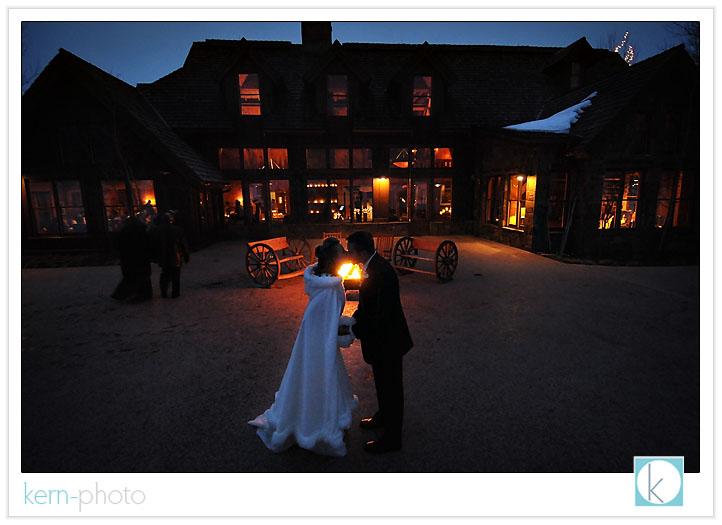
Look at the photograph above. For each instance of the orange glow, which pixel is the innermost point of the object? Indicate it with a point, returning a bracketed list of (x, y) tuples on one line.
[(350, 271), (149, 197)]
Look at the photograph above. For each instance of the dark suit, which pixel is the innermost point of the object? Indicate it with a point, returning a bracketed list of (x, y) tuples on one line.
[(385, 339)]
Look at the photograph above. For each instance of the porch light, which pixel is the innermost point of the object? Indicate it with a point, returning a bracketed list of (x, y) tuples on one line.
[(520, 178)]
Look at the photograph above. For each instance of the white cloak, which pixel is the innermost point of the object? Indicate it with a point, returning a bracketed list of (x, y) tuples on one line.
[(313, 405)]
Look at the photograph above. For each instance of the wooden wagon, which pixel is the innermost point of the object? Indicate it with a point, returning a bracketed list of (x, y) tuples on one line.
[(445, 259), (266, 259)]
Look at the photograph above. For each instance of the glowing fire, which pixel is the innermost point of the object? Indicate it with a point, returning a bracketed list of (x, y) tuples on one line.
[(350, 271)]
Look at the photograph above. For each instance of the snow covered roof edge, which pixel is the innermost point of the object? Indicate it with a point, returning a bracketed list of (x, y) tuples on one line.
[(560, 122)]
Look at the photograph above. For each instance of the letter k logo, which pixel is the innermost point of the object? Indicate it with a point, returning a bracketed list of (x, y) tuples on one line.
[(661, 484)]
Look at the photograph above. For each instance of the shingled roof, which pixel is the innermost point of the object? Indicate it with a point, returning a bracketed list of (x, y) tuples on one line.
[(487, 86), (150, 125), (615, 94)]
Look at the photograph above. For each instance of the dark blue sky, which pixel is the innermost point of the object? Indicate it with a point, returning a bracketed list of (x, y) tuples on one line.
[(145, 51)]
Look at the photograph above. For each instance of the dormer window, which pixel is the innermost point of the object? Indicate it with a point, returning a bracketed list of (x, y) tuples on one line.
[(421, 104), (250, 92), (338, 95)]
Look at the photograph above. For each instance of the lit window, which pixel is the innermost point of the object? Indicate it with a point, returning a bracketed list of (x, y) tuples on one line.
[(143, 199), (362, 158), (339, 158), (362, 200), (280, 205), (398, 158), (253, 159), (338, 95), (675, 195), (420, 193), (494, 199), (443, 158), (421, 157), (516, 205), (422, 96), (63, 216), (233, 201), (250, 94), (257, 193), (441, 206), (316, 159), (229, 158), (619, 201), (278, 158), (399, 196)]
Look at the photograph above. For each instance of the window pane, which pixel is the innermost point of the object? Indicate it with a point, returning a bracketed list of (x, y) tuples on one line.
[(611, 192), (280, 206), (421, 158), (250, 94), (399, 191), (317, 191), (339, 158), (340, 195), (422, 96), (338, 95), (362, 194), (144, 199), (363, 158), (442, 199), (233, 201), (72, 211), (628, 215), (398, 158), (664, 196), (278, 158), (229, 158), (258, 207), (253, 159), (69, 193), (42, 202), (316, 159), (420, 199), (442, 158), (114, 193), (683, 210), (74, 220)]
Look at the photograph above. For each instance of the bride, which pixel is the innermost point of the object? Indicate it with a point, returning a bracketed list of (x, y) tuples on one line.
[(313, 405)]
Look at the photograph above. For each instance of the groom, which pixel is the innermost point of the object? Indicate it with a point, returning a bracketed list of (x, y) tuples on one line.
[(381, 327)]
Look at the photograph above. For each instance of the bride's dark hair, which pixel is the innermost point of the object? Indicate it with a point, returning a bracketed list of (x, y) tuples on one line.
[(327, 255)]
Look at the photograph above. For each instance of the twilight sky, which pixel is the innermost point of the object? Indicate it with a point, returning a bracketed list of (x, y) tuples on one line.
[(145, 51)]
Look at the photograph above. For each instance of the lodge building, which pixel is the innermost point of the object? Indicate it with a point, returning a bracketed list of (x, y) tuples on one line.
[(255, 139)]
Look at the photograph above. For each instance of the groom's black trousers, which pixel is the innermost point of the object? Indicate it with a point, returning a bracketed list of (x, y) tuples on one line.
[(388, 378)]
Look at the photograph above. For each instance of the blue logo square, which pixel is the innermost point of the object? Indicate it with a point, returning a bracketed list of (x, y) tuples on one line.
[(659, 480)]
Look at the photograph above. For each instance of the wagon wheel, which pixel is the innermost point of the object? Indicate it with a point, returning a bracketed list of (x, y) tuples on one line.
[(404, 246), (447, 257), (299, 247), (262, 264)]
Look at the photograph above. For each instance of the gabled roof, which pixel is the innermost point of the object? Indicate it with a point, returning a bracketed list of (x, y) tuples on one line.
[(150, 125), (493, 85), (615, 94), (335, 54)]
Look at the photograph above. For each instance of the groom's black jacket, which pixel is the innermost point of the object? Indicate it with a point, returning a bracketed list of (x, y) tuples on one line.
[(380, 322)]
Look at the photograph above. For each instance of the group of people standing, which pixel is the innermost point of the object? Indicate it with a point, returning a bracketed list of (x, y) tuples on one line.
[(164, 244)]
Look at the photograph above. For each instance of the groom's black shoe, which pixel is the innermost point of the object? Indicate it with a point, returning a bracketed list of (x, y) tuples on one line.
[(371, 422), (382, 445)]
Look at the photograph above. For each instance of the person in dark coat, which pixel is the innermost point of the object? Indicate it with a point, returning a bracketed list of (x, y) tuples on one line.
[(170, 250), (134, 248), (385, 339)]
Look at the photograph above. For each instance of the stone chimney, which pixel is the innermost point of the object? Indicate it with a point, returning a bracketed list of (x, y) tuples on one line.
[(315, 37)]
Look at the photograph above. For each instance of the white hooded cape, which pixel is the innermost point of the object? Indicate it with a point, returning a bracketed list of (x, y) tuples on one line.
[(313, 405)]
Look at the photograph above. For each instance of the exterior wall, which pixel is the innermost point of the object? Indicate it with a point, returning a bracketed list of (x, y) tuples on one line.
[(651, 151), (71, 137)]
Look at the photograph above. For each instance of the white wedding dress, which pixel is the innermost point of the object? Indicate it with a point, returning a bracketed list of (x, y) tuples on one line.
[(313, 405)]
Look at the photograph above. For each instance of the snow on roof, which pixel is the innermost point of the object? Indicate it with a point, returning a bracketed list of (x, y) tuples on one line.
[(559, 122)]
